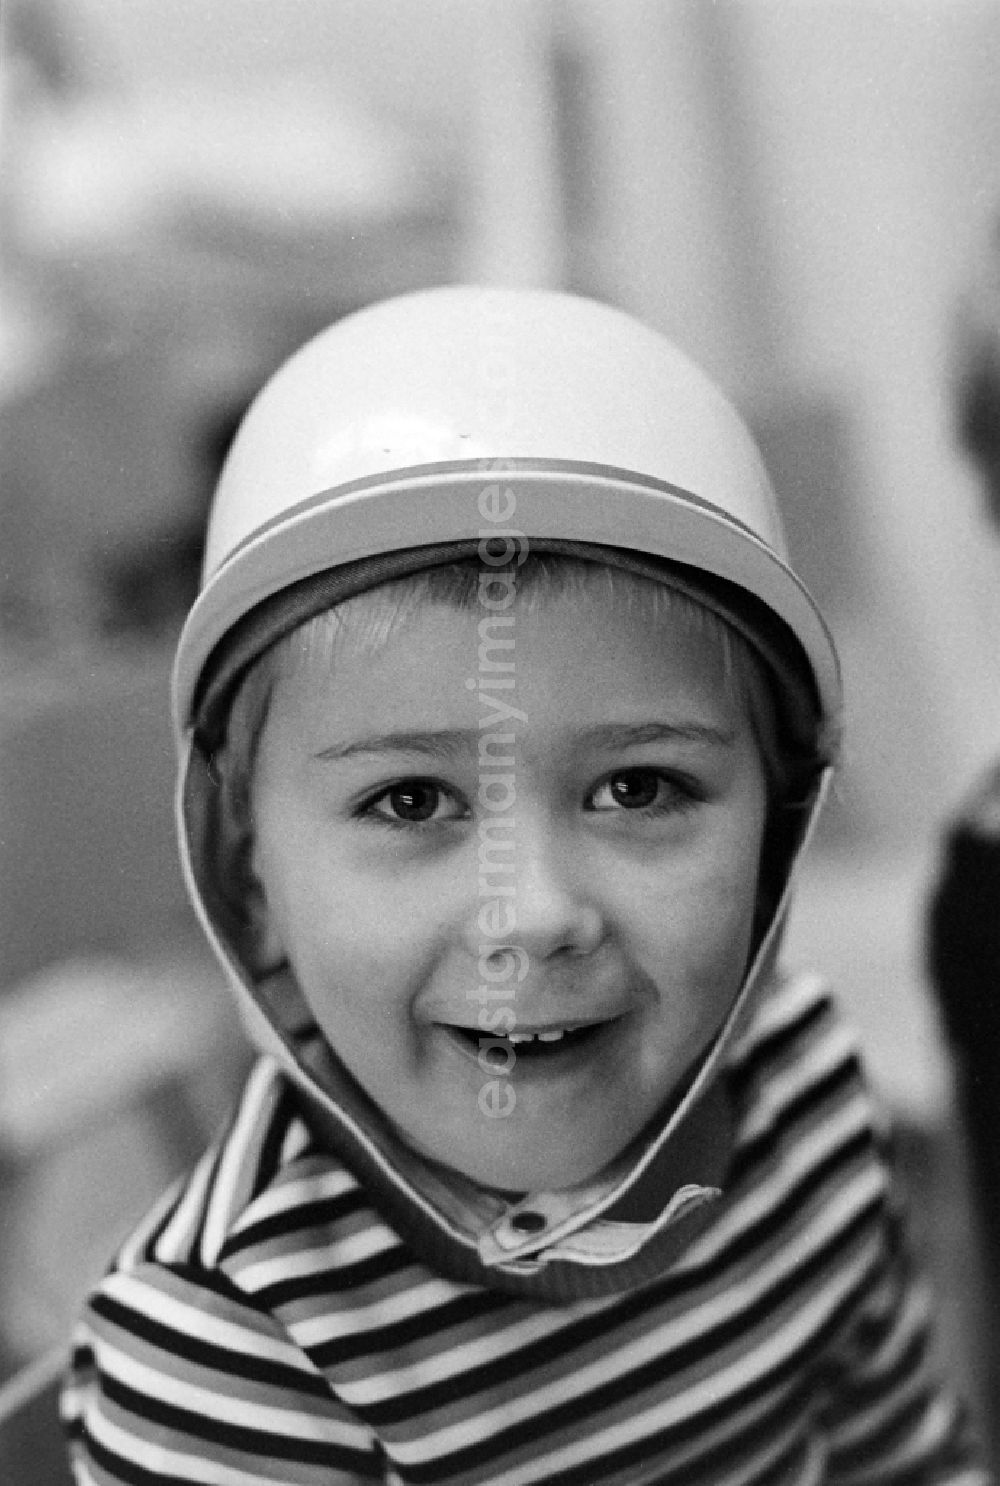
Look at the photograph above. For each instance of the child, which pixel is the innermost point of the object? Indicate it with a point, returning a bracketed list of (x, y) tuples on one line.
[(963, 926), (504, 723)]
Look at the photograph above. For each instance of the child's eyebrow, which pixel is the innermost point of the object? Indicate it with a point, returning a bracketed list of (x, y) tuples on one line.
[(453, 742), (614, 735), (437, 742)]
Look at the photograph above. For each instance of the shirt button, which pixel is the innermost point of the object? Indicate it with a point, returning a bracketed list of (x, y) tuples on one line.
[(528, 1222)]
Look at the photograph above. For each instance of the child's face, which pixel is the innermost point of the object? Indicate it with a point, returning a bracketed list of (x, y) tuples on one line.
[(415, 814)]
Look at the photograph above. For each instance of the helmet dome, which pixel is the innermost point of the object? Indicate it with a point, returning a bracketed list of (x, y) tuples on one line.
[(455, 414)]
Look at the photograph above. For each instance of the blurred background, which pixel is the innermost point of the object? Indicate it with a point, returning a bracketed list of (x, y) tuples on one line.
[(802, 195)]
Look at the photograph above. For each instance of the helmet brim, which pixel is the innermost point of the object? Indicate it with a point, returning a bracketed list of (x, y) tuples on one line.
[(550, 502)]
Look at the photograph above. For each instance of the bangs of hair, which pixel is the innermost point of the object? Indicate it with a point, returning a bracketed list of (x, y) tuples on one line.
[(364, 624)]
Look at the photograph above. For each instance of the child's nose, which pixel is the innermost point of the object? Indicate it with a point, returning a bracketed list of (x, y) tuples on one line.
[(550, 907)]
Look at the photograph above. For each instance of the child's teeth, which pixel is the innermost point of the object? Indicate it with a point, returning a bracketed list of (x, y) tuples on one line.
[(520, 1036), (549, 1036), (516, 1037)]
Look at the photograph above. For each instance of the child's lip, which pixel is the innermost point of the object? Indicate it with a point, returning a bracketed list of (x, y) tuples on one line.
[(567, 1024), (544, 1054)]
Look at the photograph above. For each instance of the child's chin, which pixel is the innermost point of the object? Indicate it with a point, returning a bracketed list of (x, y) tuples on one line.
[(517, 1170)]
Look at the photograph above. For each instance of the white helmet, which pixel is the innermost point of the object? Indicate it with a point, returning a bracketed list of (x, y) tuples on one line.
[(440, 418)]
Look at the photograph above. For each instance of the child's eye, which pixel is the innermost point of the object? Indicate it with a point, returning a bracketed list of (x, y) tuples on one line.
[(641, 789), (415, 802)]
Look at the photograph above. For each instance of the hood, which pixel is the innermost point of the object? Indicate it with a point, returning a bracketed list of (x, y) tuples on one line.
[(403, 435)]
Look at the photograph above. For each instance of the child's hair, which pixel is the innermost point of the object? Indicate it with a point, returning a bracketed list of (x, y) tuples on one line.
[(365, 623)]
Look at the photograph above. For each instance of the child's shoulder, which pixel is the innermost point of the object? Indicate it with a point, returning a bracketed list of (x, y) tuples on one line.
[(260, 1185), (796, 1061), (979, 815), (791, 1010)]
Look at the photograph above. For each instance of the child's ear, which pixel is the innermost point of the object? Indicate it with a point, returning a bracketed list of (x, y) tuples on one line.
[(266, 946), (235, 884)]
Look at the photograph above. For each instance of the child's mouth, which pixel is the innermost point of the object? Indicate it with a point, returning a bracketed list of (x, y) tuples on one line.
[(504, 1048)]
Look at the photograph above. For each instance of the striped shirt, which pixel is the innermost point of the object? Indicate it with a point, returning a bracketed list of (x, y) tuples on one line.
[(267, 1323)]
